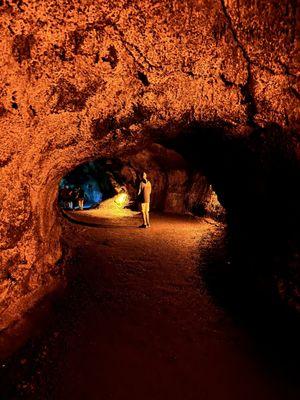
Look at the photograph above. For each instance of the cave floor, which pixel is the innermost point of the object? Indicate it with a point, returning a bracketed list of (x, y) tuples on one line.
[(139, 322)]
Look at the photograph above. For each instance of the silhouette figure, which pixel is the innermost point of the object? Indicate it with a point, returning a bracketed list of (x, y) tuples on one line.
[(80, 197), (144, 193)]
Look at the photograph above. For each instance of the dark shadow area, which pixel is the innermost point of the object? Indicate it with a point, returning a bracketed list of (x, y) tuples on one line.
[(256, 178), (273, 326), (254, 274)]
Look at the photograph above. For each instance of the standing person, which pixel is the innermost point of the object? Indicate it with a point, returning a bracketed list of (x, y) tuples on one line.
[(64, 196), (71, 199), (80, 197), (144, 196)]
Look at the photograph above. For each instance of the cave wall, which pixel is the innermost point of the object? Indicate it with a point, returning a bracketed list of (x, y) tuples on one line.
[(83, 79), (176, 187), (151, 160)]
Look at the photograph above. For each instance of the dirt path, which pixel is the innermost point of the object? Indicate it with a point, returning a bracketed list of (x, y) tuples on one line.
[(139, 324)]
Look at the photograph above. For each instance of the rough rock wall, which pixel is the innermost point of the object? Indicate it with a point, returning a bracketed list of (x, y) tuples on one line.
[(84, 79), (176, 187)]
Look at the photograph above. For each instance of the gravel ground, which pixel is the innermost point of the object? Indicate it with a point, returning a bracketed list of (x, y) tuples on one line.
[(150, 314)]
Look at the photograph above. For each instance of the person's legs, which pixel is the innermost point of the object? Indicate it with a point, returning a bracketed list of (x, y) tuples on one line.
[(144, 215), (147, 209), (144, 218), (80, 203), (147, 219)]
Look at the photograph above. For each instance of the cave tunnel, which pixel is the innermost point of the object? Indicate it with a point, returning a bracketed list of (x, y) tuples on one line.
[(179, 187), (218, 227), (206, 171), (202, 96), (207, 184)]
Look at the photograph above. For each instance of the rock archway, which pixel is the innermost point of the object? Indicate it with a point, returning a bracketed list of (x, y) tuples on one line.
[(83, 80)]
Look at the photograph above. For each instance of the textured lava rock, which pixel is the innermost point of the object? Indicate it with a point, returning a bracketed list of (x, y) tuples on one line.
[(85, 79), (176, 187)]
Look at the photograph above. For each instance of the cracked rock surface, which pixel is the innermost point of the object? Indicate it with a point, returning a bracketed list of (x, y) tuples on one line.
[(86, 79)]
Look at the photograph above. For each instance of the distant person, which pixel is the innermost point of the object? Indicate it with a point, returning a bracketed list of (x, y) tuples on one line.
[(144, 198), (71, 198), (64, 196), (80, 197)]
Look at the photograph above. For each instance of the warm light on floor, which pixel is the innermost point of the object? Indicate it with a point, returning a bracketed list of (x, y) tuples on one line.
[(121, 199), (115, 207)]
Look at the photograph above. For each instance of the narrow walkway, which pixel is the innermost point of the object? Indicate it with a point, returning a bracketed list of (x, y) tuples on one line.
[(139, 324)]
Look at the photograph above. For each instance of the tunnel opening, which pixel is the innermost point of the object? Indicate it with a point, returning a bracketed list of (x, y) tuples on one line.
[(244, 179), (92, 179), (110, 185)]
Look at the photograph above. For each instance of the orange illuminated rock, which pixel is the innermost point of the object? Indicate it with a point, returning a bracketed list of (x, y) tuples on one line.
[(86, 79)]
